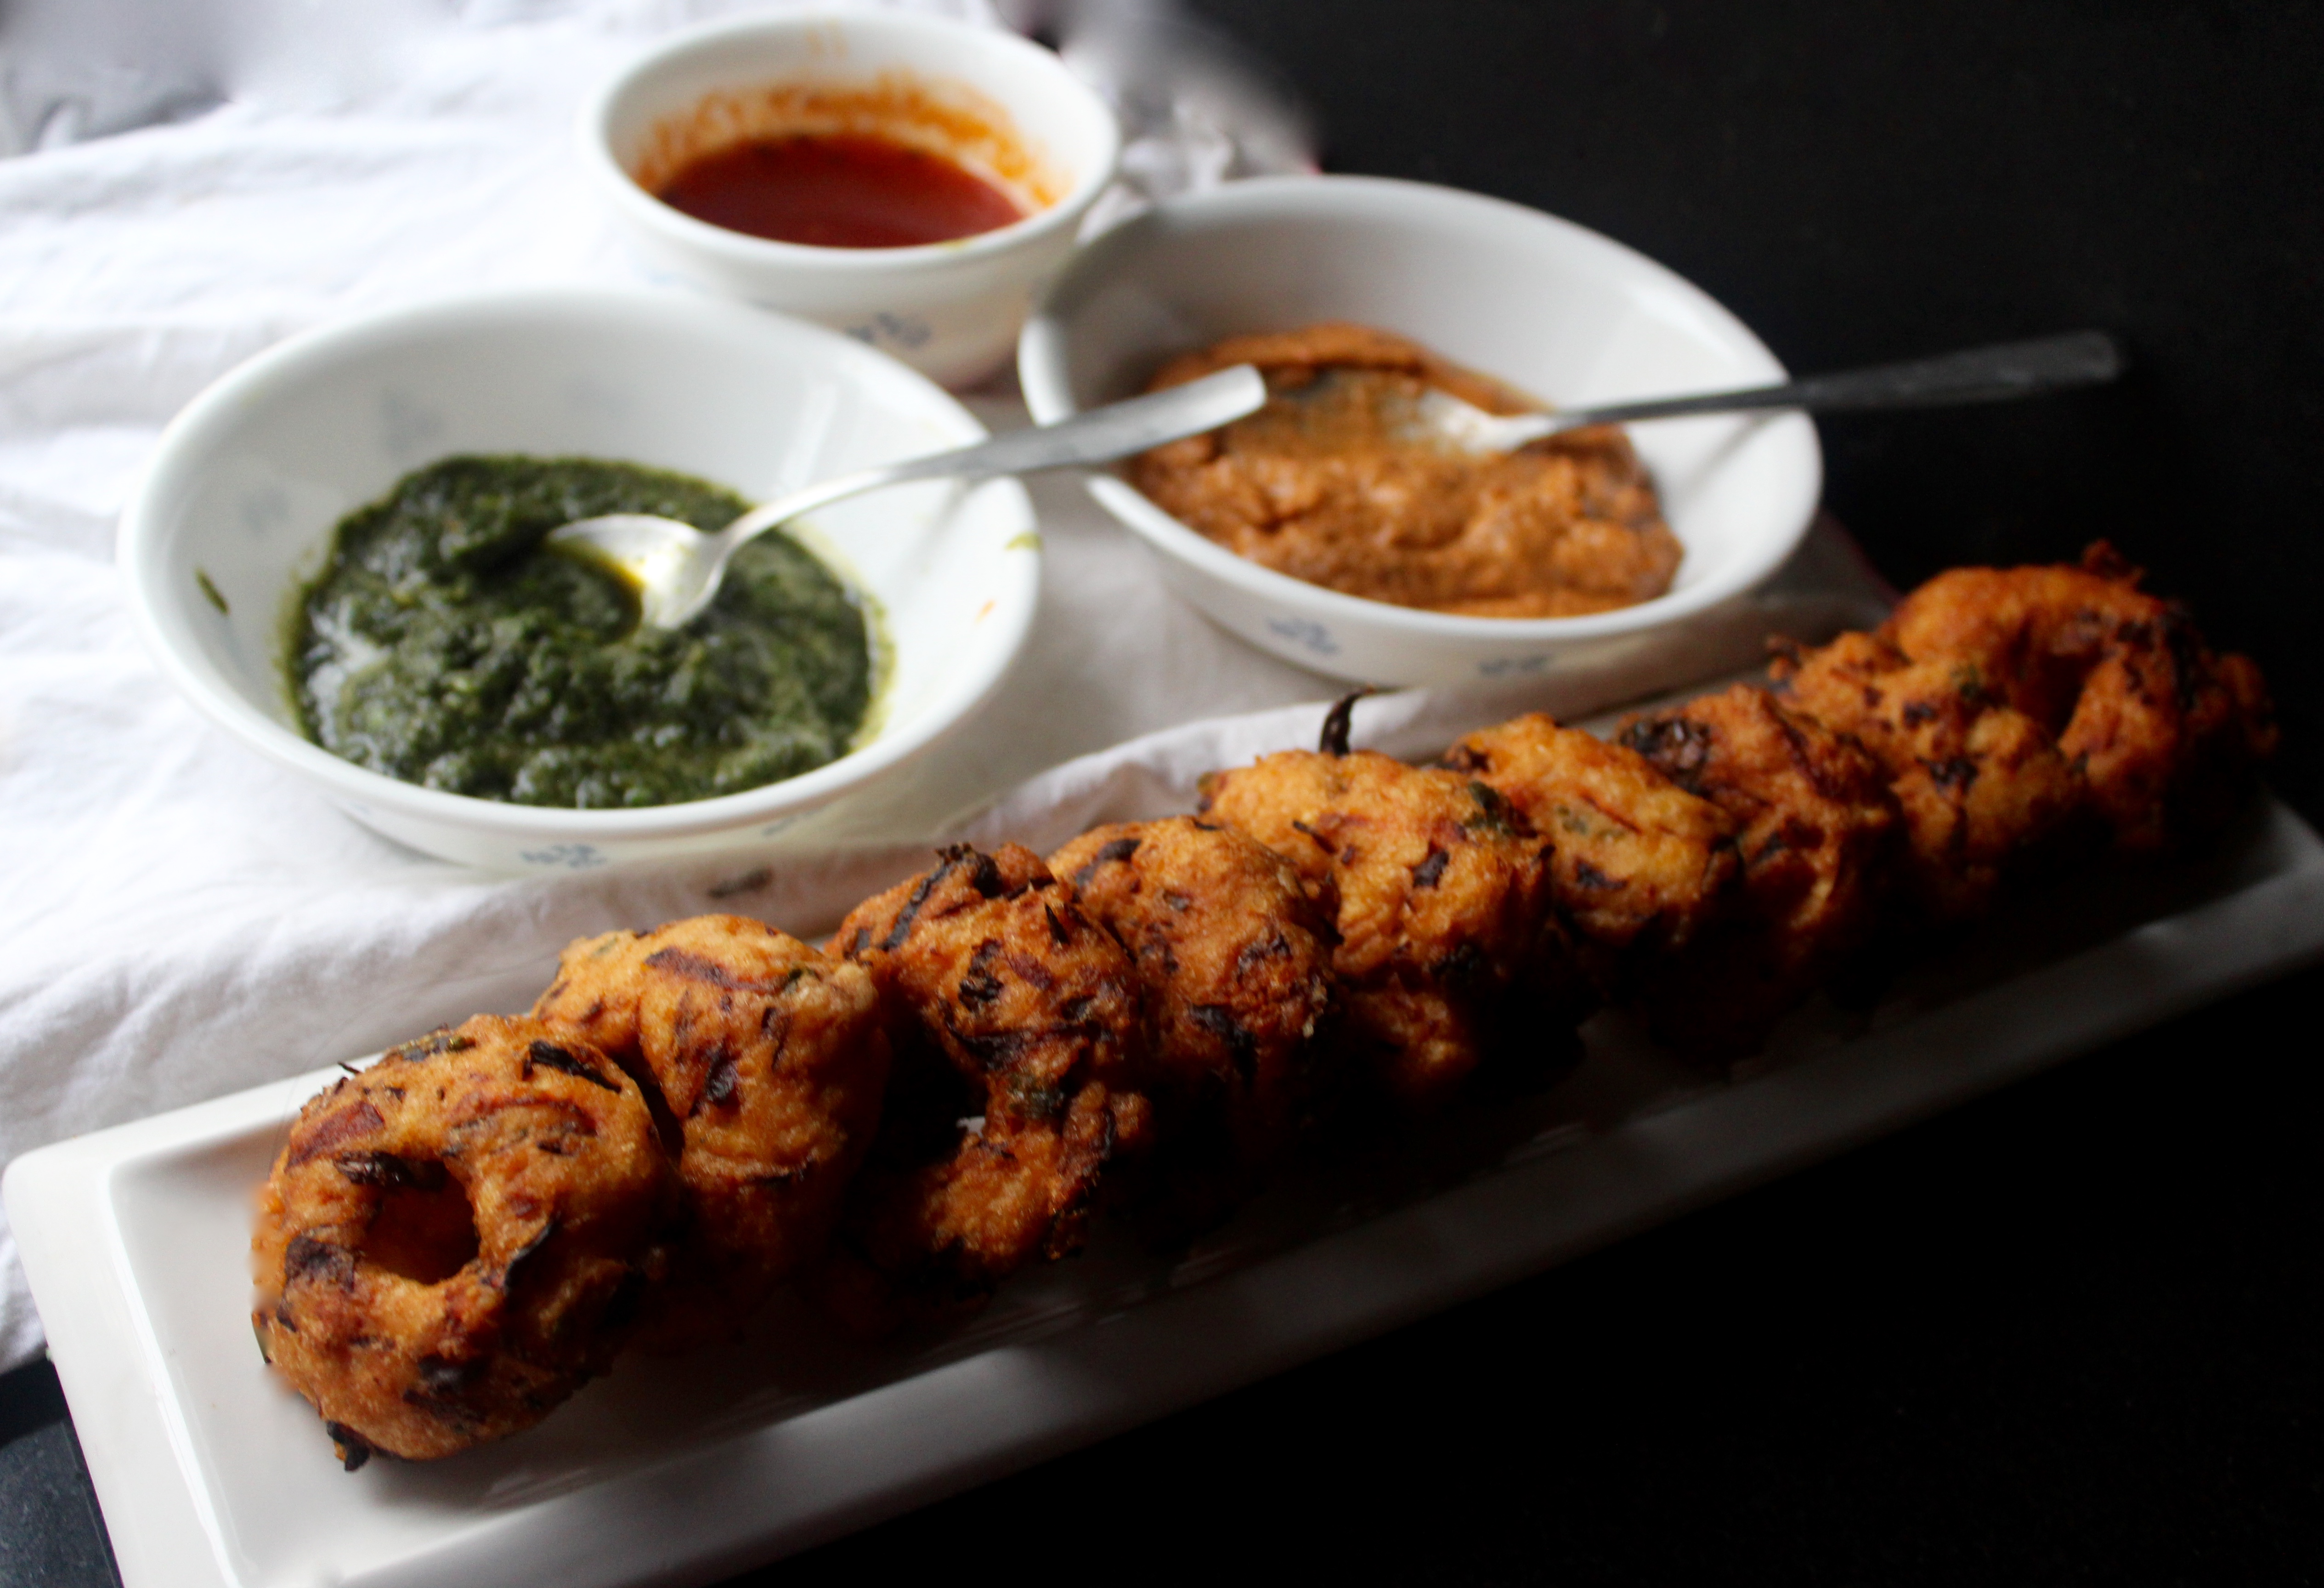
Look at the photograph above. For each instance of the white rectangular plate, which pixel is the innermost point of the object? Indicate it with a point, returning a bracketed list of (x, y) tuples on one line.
[(681, 1471)]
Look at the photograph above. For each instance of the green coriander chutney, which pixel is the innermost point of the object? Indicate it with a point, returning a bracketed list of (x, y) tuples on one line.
[(444, 645)]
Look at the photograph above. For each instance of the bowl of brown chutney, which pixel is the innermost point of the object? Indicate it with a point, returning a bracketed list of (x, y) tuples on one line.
[(1374, 568)]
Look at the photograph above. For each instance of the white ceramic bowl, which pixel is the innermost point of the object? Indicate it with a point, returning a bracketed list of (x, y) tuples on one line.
[(248, 482), (1555, 309), (950, 310)]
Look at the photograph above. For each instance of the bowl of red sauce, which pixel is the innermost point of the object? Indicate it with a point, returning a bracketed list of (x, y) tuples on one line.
[(908, 179)]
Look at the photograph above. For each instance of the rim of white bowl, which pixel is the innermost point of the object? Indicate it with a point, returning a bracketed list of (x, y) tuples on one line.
[(1043, 360), (158, 607), (741, 247)]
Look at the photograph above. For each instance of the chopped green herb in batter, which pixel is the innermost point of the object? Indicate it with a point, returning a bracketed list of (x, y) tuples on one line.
[(444, 646)]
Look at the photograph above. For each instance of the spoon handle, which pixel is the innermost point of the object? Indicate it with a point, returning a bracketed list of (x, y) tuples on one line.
[(1104, 434), (1981, 375), (1100, 436)]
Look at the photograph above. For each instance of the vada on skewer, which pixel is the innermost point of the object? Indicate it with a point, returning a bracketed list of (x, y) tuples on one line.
[(1018, 1017), (2164, 732), (455, 1240), (1233, 951), (1814, 821), (1638, 866), (1449, 953), (764, 1062), (1983, 790)]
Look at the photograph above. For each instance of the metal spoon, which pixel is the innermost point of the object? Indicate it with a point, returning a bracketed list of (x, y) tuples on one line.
[(676, 568), (1981, 375)]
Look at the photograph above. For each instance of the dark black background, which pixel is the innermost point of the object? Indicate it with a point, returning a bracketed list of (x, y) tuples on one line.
[(2071, 1333)]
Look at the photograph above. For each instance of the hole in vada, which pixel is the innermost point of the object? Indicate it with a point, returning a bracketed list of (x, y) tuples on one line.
[(424, 1230), (928, 1107)]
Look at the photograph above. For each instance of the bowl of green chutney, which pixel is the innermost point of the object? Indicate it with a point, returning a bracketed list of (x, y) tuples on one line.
[(335, 553)]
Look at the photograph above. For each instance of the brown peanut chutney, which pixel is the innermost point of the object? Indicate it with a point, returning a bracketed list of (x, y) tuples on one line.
[(1323, 485)]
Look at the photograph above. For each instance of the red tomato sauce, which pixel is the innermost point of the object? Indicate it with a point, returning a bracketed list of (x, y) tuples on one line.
[(838, 190)]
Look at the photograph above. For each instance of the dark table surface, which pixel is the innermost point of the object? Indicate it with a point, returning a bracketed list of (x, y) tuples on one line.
[(2070, 1332)]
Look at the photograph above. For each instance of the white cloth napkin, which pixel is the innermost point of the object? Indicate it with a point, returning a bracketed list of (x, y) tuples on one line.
[(181, 919)]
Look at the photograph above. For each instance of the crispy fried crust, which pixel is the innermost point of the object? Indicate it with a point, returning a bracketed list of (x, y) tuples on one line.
[(1813, 822), (765, 1062), (1982, 788), (1233, 950), (1446, 934), (992, 978), (2164, 733), (1639, 866), (454, 1240)]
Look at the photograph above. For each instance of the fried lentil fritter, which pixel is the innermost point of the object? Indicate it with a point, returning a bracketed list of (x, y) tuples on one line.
[(1004, 998), (1233, 951), (2164, 732), (1814, 821), (1982, 788), (765, 1062), (1449, 949), (1639, 866), (454, 1240)]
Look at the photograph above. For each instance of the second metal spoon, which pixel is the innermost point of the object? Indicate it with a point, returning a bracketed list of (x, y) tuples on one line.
[(1981, 375)]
